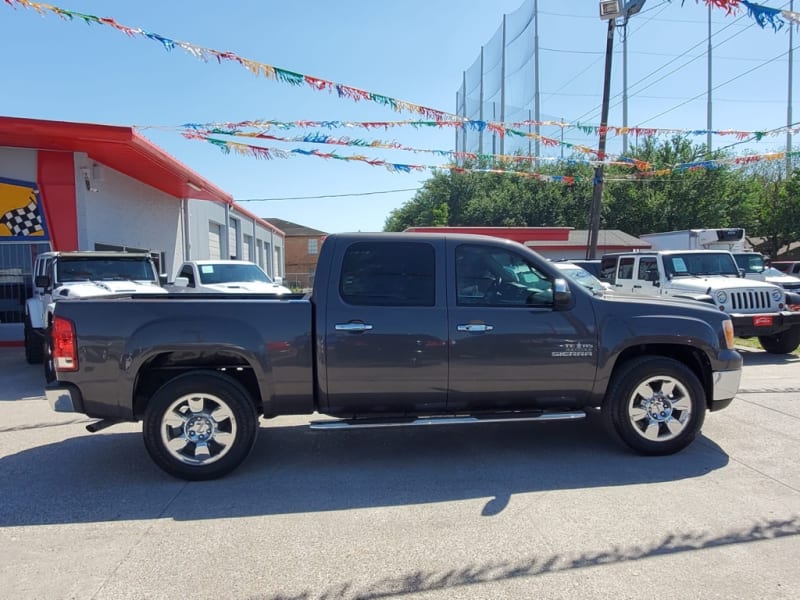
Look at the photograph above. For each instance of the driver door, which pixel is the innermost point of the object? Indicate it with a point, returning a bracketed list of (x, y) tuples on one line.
[(510, 348)]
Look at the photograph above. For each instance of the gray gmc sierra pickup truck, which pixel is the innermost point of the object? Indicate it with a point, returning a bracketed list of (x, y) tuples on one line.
[(400, 329)]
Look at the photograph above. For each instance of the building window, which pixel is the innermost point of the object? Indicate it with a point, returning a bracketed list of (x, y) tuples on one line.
[(313, 245), (260, 253), (247, 247), (233, 239)]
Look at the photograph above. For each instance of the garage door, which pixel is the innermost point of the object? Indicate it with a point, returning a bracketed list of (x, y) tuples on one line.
[(214, 238)]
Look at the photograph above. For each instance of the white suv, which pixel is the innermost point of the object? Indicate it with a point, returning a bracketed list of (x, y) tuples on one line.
[(59, 275), (757, 308)]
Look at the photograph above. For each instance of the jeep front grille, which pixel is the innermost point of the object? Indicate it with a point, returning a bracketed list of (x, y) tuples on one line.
[(750, 300)]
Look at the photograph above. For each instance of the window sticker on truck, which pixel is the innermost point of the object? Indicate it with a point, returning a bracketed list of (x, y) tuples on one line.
[(577, 350), (679, 265)]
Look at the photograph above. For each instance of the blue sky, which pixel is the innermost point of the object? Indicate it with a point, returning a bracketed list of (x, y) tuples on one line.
[(414, 50)]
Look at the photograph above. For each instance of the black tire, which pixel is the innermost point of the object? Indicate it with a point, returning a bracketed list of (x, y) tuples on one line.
[(47, 356), (33, 343), (636, 413), (200, 406), (785, 342)]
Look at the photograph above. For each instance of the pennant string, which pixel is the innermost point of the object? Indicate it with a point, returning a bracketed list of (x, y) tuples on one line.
[(257, 68)]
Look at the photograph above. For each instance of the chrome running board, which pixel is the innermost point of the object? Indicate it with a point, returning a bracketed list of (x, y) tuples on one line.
[(362, 423)]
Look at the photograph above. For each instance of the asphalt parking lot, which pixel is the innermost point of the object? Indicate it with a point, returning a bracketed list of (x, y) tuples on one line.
[(484, 511)]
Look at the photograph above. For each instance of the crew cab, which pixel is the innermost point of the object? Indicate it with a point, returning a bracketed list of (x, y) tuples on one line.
[(757, 308), (229, 276), (399, 330)]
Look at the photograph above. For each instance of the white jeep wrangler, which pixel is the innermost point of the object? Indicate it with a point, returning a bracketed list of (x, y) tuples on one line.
[(59, 275), (757, 308)]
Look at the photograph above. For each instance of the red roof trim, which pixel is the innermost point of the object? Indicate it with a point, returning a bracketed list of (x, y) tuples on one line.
[(124, 150)]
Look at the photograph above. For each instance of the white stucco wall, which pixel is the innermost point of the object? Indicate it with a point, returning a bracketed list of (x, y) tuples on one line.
[(125, 212), (203, 211)]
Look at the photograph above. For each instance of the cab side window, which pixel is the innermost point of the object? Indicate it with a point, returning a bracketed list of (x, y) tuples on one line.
[(388, 274), (488, 276), (648, 267), (625, 270)]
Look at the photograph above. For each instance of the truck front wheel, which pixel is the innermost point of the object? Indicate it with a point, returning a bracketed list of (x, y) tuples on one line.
[(785, 342), (200, 425), (655, 405)]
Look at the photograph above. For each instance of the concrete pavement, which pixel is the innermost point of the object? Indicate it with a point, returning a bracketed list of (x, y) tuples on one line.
[(490, 511)]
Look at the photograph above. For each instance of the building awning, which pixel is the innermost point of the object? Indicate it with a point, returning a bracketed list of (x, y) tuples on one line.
[(120, 148)]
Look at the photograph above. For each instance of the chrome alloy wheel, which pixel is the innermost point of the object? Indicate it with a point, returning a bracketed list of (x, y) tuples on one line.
[(660, 408), (198, 429)]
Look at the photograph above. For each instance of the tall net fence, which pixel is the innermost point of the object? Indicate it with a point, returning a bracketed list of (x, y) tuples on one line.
[(499, 86)]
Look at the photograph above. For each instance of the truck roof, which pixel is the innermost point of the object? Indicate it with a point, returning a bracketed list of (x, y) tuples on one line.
[(654, 252), (405, 235), (95, 254)]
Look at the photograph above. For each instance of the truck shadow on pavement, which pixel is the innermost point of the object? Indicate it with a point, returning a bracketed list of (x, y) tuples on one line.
[(292, 469)]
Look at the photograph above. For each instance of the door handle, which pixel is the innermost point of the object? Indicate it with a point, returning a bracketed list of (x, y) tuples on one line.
[(473, 327), (352, 327), (637, 287)]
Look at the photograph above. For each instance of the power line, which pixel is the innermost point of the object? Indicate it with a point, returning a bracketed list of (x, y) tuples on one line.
[(324, 196), (665, 65), (700, 95)]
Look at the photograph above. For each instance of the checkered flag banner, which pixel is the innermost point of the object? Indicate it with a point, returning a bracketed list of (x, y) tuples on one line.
[(23, 221)]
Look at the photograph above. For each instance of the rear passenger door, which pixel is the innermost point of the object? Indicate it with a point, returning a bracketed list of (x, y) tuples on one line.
[(385, 331), (623, 277)]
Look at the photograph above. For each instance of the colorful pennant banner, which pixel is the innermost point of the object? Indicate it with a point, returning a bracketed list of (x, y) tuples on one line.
[(255, 67), (266, 153), (322, 138), (492, 127), (763, 15)]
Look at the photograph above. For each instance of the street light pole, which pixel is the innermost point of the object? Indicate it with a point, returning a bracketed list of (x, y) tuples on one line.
[(597, 194)]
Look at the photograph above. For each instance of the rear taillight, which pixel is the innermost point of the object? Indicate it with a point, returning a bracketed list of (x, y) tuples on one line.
[(65, 349)]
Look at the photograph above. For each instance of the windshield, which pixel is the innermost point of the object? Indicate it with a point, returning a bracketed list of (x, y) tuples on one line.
[(582, 276), (97, 269), (773, 272), (700, 263), (223, 273), (751, 262)]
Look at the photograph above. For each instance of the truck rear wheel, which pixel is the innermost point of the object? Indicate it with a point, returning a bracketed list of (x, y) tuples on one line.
[(655, 405), (785, 342), (200, 425), (33, 343)]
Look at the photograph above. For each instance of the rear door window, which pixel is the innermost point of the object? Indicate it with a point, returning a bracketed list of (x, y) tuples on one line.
[(388, 274)]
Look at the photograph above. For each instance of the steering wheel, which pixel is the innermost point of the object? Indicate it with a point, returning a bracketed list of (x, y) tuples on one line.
[(493, 291)]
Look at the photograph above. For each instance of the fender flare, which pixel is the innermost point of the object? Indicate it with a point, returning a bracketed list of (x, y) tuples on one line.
[(35, 311)]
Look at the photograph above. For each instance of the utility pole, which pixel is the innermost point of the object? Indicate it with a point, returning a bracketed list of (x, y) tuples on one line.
[(789, 99), (708, 102), (625, 87), (597, 194)]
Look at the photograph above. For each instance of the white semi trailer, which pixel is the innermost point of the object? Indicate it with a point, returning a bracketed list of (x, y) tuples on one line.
[(731, 240)]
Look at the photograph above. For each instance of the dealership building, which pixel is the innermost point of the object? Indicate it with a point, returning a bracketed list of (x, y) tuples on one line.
[(81, 186)]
